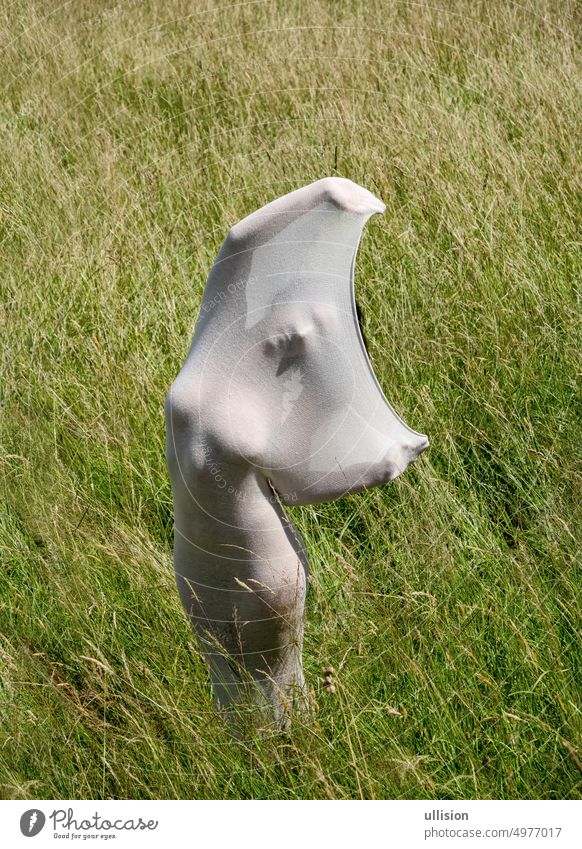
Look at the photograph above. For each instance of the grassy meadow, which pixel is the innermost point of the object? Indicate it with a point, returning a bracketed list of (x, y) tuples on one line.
[(132, 136)]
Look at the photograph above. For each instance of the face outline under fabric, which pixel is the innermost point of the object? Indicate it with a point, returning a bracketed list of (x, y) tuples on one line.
[(277, 404)]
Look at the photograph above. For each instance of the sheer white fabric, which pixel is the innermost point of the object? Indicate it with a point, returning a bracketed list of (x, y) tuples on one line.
[(276, 402)]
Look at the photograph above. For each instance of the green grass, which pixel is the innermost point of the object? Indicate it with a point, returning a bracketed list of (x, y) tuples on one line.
[(133, 136)]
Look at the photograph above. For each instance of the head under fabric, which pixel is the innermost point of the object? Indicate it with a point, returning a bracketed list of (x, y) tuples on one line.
[(278, 367)]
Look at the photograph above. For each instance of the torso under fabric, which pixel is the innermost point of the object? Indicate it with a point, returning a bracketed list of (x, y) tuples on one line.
[(276, 404)]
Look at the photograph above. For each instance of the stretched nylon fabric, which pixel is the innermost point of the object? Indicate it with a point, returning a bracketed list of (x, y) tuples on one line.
[(278, 330), (276, 402)]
